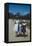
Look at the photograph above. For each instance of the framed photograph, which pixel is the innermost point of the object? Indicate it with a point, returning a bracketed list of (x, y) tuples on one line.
[(17, 22)]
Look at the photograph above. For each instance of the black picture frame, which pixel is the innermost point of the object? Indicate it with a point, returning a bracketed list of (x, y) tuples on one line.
[(6, 17)]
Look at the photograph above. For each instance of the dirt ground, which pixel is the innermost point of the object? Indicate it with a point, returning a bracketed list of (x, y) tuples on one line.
[(12, 34)]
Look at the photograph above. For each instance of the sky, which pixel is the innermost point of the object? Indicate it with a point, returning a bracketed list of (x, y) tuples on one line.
[(31, 8), (23, 9), (31, 11)]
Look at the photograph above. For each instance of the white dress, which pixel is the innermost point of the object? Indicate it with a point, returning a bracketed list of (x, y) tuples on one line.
[(16, 27)]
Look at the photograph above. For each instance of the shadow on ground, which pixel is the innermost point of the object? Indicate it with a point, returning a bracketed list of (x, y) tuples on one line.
[(21, 35)]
